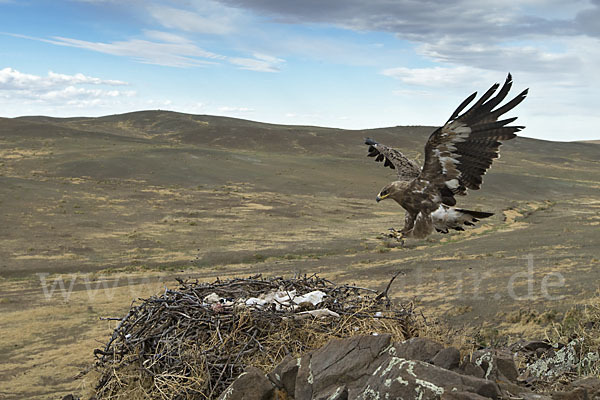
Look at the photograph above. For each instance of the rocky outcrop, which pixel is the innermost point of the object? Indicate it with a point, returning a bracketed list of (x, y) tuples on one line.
[(373, 368)]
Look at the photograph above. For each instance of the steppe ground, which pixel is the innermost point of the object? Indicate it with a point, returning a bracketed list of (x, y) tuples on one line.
[(98, 212)]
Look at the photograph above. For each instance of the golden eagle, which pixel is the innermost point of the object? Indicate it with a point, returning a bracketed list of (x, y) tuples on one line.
[(457, 155)]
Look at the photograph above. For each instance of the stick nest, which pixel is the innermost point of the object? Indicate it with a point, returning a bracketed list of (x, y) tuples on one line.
[(192, 342)]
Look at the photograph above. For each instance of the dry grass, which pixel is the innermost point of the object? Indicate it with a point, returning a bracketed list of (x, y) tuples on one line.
[(581, 322)]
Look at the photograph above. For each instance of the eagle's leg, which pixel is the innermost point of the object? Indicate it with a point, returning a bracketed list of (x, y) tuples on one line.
[(409, 224), (398, 235)]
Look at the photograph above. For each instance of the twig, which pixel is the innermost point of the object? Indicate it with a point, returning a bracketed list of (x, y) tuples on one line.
[(385, 292)]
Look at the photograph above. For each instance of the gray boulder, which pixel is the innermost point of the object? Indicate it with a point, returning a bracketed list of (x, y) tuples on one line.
[(373, 368)]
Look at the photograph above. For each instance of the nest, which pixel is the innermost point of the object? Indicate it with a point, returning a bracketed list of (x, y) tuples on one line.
[(192, 342)]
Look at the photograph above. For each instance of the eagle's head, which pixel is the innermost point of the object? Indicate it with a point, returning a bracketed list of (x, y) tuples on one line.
[(393, 190)]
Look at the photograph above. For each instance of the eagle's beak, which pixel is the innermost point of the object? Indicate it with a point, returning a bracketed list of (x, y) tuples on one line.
[(380, 197)]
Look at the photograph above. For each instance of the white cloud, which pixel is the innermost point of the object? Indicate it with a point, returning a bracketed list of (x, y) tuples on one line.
[(167, 49), (235, 109), (260, 62), (57, 89), (11, 79), (165, 36), (174, 54), (72, 94), (216, 22), (532, 55), (438, 76)]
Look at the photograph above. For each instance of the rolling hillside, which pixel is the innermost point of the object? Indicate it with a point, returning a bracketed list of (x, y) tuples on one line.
[(95, 192), (115, 208)]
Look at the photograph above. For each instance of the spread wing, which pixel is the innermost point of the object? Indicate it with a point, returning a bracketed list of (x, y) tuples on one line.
[(458, 154), (407, 169)]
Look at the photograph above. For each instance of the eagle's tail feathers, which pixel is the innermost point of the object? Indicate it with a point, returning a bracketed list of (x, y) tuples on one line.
[(476, 214), (445, 218)]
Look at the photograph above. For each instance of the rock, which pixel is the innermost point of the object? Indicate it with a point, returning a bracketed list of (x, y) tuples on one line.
[(304, 379), (496, 365), (401, 378), (462, 396), (516, 391), (418, 349), (284, 374), (533, 396), (472, 369), (591, 383), (584, 388), (577, 394), (337, 393), (252, 384), (541, 352), (370, 367), (339, 362), (535, 345), (562, 361), (505, 365), (448, 358)]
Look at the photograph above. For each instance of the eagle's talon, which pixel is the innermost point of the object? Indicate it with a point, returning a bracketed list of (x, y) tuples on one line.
[(398, 235)]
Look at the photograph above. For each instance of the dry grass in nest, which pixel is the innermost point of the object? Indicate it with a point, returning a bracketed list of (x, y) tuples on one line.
[(177, 346)]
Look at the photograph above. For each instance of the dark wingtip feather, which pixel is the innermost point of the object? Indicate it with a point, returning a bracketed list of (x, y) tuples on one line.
[(462, 105)]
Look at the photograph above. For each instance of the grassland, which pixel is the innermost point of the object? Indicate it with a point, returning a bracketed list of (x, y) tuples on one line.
[(115, 208)]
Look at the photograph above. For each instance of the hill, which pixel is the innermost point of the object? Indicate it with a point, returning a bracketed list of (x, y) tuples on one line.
[(117, 199), (125, 181)]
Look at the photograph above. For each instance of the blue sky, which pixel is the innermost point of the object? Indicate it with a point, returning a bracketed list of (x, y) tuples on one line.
[(339, 63)]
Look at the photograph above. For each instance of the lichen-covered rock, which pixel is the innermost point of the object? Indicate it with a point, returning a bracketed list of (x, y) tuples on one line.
[(338, 363), (397, 377), (555, 365), (373, 368), (370, 367), (496, 365)]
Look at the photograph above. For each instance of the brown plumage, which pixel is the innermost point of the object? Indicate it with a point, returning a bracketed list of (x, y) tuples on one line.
[(457, 155)]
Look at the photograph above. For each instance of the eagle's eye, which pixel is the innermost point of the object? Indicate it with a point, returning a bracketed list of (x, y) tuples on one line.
[(383, 193)]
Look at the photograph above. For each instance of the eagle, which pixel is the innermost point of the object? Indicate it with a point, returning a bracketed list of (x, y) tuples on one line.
[(457, 155)]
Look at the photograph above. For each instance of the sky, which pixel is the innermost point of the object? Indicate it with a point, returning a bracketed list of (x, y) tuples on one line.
[(350, 64)]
